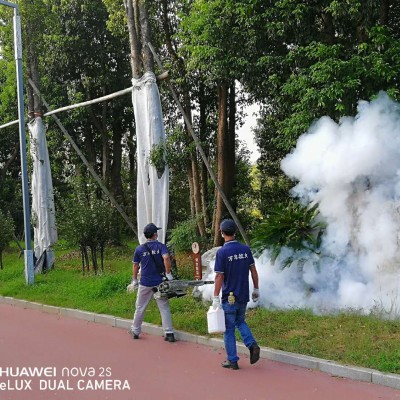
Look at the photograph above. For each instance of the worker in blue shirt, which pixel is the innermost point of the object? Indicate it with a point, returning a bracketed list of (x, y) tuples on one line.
[(233, 264), (152, 258)]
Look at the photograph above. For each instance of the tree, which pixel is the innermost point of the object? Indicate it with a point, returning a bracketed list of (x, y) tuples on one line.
[(80, 54), (10, 165), (6, 233), (312, 59), (89, 222), (207, 31)]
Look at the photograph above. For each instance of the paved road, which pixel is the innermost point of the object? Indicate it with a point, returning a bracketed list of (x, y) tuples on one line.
[(73, 356)]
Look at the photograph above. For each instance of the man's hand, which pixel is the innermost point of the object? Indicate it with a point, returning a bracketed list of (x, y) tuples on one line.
[(134, 285), (169, 276), (255, 296), (216, 302)]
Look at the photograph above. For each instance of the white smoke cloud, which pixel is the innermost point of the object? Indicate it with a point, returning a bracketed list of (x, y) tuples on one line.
[(352, 170)]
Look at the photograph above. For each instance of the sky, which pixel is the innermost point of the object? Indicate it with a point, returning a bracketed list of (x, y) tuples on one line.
[(245, 133)]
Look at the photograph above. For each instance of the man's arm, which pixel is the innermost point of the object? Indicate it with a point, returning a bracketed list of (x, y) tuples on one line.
[(167, 263), (219, 280), (135, 270), (254, 275), (255, 296)]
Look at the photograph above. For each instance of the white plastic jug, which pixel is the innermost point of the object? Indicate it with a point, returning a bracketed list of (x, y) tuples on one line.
[(216, 320)]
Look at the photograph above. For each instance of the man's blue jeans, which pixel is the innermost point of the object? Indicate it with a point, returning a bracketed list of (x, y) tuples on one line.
[(235, 315)]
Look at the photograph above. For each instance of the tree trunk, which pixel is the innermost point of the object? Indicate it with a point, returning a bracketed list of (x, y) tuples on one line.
[(136, 62), (229, 158), (328, 28), (194, 173), (148, 61), (222, 133), (90, 148), (34, 102), (83, 259), (102, 257), (203, 168), (105, 144), (94, 258), (225, 153), (189, 172), (132, 172), (1, 259), (197, 197), (86, 255), (116, 181), (384, 12), (105, 159)]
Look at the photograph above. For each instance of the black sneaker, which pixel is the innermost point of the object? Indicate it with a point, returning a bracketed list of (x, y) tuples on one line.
[(254, 353), (134, 336), (169, 337), (230, 365)]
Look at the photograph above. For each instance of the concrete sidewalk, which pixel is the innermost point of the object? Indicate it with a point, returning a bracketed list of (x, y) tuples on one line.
[(82, 355)]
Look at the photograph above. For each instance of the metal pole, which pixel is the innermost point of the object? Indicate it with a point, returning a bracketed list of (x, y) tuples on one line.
[(28, 253)]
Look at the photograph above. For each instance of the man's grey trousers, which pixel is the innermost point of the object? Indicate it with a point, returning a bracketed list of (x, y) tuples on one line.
[(144, 296)]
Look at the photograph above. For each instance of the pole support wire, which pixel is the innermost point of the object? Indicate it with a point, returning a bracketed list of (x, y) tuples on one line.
[(122, 92), (77, 105)]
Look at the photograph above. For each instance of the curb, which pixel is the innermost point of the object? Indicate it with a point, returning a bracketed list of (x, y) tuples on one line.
[(329, 367)]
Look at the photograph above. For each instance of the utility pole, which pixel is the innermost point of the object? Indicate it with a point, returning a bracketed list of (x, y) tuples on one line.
[(28, 253)]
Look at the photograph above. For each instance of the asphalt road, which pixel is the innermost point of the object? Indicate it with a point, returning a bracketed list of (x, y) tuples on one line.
[(80, 360)]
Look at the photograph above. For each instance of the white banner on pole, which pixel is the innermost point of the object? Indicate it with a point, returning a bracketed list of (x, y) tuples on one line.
[(43, 210), (152, 182)]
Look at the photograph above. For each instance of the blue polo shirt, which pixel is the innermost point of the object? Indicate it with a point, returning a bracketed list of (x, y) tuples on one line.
[(234, 259), (149, 272)]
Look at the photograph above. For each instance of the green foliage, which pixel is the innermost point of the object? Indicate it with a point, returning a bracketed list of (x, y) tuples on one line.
[(313, 59), (6, 233), (292, 226), (86, 223), (184, 234), (89, 221), (213, 33), (116, 22), (6, 230), (10, 177), (157, 157)]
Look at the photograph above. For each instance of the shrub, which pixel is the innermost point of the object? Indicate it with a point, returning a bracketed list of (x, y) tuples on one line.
[(293, 226), (184, 234)]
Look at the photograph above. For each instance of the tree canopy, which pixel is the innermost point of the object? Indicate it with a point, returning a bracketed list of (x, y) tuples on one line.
[(298, 59)]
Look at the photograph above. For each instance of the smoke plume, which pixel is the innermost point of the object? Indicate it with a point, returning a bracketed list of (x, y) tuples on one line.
[(351, 169)]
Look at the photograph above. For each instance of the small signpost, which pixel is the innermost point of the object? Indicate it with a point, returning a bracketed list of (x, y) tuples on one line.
[(198, 272)]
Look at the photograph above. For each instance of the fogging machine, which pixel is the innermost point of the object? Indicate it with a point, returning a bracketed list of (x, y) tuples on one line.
[(176, 288)]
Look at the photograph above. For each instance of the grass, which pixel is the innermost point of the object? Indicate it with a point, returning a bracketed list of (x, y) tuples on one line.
[(347, 338)]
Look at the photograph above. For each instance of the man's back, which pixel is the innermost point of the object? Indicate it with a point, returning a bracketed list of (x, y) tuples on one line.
[(234, 259), (152, 265)]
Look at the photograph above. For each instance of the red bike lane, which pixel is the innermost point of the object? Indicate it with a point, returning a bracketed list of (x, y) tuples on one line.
[(80, 360)]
